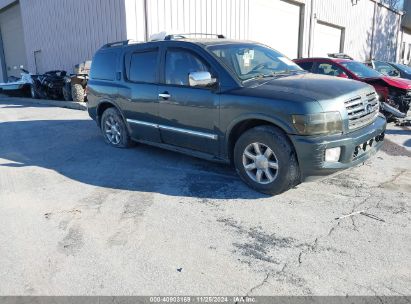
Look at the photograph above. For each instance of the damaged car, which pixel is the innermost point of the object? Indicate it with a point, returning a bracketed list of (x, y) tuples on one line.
[(48, 85), (394, 93), (17, 86)]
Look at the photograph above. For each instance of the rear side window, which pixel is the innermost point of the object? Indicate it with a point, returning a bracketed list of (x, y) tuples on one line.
[(308, 66), (143, 66), (103, 66)]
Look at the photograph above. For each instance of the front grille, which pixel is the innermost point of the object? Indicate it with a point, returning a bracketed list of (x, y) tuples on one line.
[(362, 110)]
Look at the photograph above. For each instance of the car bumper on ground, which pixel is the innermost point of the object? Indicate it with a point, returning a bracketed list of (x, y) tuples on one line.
[(356, 147)]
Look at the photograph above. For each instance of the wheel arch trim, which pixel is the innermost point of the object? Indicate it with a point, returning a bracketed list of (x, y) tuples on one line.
[(281, 124), (113, 104)]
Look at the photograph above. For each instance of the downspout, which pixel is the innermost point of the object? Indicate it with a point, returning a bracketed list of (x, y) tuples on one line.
[(145, 20), (3, 61), (373, 29), (399, 32), (310, 36)]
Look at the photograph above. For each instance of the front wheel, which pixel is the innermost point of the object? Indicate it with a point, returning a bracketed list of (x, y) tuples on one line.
[(114, 129), (33, 92), (266, 161)]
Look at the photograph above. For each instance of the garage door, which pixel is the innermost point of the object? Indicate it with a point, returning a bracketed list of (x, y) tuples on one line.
[(277, 24), (327, 39), (13, 41)]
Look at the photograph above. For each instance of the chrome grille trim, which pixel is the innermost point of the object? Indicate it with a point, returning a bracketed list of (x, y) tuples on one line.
[(362, 110)]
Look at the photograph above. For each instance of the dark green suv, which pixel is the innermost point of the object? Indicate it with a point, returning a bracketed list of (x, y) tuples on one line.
[(236, 102)]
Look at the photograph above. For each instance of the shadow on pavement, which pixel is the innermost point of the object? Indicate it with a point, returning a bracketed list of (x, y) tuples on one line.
[(76, 149)]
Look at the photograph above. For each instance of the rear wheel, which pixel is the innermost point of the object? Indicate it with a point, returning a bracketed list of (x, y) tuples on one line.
[(77, 92), (33, 92), (266, 161), (67, 91), (114, 129)]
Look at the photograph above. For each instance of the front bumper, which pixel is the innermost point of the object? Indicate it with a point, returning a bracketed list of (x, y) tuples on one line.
[(355, 149)]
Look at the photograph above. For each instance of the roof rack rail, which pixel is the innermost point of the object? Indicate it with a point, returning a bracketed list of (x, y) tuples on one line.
[(182, 36), (117, 43), (339, 56)]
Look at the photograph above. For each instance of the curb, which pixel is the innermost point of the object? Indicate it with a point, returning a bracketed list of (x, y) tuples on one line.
[(82, 106)]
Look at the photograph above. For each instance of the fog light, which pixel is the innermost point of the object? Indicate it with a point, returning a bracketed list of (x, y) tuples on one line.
[(333, 154)]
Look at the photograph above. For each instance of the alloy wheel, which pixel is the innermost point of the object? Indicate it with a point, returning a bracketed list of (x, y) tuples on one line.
[(112, 130), (260, 163)]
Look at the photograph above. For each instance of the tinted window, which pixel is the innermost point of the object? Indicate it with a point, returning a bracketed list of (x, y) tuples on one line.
[(306, 65), (180, 63), (103, 66), (329, 69), (143, 66)]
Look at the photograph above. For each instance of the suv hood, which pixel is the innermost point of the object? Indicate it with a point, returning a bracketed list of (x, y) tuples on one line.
[(303, 87)]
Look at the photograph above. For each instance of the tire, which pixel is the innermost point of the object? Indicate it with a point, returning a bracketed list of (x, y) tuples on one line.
[(33, 92), (274, 171), (114, 129), (77, 92), (67, 91)]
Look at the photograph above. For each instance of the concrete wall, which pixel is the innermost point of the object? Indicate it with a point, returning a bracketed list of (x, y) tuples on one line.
[(362, 41), (61, 33), (228, 17), (233, 18), (4, 4), (236, 19), (66, 32)]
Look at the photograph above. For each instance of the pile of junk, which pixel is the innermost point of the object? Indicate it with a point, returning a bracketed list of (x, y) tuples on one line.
[(58, 85)]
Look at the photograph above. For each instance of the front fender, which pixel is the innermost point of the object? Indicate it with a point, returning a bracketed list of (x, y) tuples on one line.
[(277, 121)]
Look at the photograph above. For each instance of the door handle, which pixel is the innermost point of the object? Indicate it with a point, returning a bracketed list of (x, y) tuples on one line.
[(164, 95)]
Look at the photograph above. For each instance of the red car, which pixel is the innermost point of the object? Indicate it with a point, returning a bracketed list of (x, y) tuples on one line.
[(394, 93)]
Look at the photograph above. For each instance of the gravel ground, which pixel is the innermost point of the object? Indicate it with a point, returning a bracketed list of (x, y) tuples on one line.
[(78, 217)]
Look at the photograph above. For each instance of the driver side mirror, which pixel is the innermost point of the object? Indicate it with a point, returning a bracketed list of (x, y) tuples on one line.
[(201, 79), (342, 75)]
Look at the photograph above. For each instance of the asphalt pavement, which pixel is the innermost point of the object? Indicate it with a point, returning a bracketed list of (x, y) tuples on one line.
[(78, 217)]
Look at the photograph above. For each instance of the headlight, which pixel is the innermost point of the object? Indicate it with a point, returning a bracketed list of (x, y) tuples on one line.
[(319, 123)]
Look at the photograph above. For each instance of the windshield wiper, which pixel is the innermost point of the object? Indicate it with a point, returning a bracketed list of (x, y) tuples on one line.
[(259, 76), (275, 74)]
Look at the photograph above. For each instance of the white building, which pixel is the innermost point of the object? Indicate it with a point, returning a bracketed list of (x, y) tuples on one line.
[(46, 35)]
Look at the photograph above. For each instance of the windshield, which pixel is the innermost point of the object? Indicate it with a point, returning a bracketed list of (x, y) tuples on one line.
[(249, 61), (405, 68), (360, 69)]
